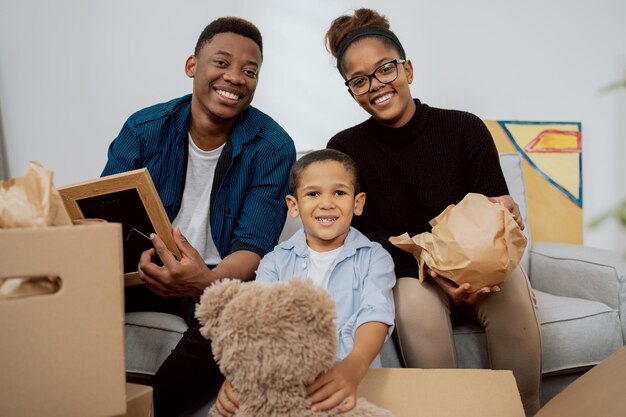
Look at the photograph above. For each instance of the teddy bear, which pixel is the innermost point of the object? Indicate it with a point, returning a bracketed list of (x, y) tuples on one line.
[(271, 340)]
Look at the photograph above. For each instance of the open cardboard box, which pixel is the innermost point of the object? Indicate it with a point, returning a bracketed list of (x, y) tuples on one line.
[(62, 354), (601, 391), (443, 392), (139, 401)]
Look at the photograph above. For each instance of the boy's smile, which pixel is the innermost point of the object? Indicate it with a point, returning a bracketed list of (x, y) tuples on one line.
[(326, 219), (326, 202)]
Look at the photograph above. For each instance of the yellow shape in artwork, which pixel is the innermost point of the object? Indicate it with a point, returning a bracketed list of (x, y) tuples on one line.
[(556, 141), (552, 149)]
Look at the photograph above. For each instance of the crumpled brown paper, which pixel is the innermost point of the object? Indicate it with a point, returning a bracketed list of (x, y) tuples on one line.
[(476, 242), (32, 200)]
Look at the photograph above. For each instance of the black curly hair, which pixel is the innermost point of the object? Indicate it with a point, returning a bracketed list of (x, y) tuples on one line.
[(232, 24)]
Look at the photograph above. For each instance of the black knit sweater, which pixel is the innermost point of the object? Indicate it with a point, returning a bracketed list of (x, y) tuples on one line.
[(412, 173)]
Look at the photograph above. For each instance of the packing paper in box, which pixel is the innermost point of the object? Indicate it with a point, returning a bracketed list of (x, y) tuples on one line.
[(31, 200), (475, 241)]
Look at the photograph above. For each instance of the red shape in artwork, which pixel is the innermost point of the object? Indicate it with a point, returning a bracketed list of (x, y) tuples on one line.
[(556, 141)]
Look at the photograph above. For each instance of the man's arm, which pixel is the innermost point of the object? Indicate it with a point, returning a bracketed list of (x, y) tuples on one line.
[(263, 211), (124, 154), (240, 265), (258, 228), (190, 276)]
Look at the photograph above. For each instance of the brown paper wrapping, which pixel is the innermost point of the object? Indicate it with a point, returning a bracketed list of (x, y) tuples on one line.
[(31, 200), (476, 242)]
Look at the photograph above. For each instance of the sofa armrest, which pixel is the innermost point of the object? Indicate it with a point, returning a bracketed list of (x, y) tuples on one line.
[(579, 271)]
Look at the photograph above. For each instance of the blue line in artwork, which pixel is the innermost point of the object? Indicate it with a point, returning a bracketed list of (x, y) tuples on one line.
[(577, 201)]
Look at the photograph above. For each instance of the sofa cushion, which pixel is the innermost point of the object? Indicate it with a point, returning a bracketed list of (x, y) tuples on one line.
[(150, 337), (576, 334)]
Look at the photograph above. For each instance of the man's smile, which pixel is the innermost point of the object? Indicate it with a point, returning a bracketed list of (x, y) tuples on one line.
[(228, 95)]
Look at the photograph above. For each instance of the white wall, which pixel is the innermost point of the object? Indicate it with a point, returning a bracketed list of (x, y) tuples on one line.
[(72, 71)]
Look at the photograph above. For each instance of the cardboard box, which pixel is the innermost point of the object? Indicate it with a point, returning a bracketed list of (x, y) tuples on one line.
[(139, 401), (601, 391), (443, 392), (62, 354)]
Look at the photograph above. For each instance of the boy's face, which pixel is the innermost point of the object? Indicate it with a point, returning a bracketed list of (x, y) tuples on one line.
[(326, 202)]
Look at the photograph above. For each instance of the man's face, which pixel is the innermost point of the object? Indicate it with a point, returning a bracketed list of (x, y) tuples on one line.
[(225, 75)]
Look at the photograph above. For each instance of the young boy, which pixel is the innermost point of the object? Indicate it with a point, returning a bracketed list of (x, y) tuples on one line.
[(359, 274)]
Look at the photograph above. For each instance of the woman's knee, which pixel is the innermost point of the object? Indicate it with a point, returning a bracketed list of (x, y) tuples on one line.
[(420, 309)]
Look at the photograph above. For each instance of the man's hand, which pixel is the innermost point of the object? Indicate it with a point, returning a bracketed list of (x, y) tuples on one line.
[(227, 401), (185, 278), (459, 292), (511, 206), (338, 386)]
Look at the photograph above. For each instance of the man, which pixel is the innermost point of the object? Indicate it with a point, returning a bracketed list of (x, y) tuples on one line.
[(221, 169)]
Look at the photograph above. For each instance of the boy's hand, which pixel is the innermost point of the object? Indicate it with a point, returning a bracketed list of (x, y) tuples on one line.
[(227, 401), (338, 386)]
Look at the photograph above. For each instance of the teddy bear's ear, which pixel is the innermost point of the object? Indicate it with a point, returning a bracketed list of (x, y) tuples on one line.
[(212, 303)]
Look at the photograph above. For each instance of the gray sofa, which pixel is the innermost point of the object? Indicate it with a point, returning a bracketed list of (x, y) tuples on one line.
[(580, 291)]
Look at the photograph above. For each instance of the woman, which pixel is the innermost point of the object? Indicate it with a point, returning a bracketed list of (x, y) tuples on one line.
[(415, 160)]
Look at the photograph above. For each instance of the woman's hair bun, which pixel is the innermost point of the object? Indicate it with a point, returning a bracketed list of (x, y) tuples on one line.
[(345, 24)]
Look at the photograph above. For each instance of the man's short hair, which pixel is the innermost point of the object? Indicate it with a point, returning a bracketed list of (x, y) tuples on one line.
[(229, 24)]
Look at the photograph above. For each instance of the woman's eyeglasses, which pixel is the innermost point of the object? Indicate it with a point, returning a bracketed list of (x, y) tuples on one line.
[(386, 73)]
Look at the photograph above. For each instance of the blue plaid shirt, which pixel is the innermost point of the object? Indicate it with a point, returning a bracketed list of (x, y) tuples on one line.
[(247, 209)]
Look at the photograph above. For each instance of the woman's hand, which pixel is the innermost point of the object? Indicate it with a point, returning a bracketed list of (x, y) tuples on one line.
[(508, 203), (459, 292), (338, 386), (227, 401)]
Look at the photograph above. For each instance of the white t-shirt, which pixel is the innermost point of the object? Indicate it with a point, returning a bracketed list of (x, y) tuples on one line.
[(319, 266), (193, 218)]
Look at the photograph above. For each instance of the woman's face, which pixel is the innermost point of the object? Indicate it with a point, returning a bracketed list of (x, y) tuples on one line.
[(391, 104)]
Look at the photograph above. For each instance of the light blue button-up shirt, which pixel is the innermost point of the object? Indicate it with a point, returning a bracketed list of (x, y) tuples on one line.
[(361, 282)]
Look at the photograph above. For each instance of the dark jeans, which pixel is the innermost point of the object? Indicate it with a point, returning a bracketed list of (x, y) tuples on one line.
[(189, 376)]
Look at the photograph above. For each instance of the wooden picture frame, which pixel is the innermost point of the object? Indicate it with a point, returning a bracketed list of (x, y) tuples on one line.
[(129, 198)]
